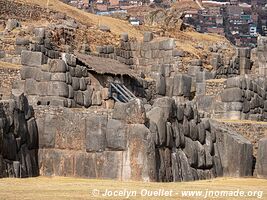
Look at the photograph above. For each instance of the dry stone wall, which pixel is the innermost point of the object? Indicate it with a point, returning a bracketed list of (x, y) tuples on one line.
[(143, 55), (96, 145), (164, 143), (240, 97), (8, 76), (225, 67), (187, 147), (18, 138)]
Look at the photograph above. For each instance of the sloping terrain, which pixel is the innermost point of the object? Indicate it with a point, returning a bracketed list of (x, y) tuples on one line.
[(117, 26), (195, 45)]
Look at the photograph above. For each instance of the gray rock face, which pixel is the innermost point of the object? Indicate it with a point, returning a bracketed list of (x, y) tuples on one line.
[(57, 66), (33, 59), (191, 152), (132, 112), (116, 135), (96, 133), (156, 115), (18, 138), (141, 150), (261, 164), (232, 95), (234, 150), (168, 107), (148, 36)]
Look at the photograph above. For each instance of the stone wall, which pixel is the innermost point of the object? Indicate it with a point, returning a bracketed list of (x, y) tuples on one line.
[(225, 67), (8, 75), (242, 97), (143, 55), (84, 143), (251, 130), (192, 148), (18, 138), (163, 143), (261, 55)]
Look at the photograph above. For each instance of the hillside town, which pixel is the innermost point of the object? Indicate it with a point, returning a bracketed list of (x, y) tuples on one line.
[(239, 21)]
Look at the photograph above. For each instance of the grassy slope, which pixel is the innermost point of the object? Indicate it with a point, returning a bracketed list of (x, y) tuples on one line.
[(71, 188)]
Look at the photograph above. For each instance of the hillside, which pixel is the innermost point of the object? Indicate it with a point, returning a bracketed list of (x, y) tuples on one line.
[(195, 45), (117, 26)]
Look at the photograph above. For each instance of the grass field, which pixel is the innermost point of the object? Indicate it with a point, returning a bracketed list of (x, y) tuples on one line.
[(73, 188)]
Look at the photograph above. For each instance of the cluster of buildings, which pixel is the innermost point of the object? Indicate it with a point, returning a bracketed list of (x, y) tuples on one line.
[(240, 22), (108, 7)]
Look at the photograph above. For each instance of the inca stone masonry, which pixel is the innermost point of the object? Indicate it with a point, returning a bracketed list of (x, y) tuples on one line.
[(62, 118)]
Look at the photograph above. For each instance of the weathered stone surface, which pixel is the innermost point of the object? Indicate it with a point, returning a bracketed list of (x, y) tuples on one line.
[(47, 127), (96, 98), (169, 134), (132, 112), (168, 107), (32, 58), (95, 135), (186, 172), (116, 135), (124, 37), (261, 163), (139, 161), (87, 98), (233, 82), (85, 165), (167, 44), (58, 77), (30, 87), (148, 36), (33, 134), (57, 89), (193, 130), (201, 132), (156, 116), (11, 24), (182, 85), (190, 151), (57, 66), (234, 150), (201, 155), (232, 95), (160, 84), (180, 112)]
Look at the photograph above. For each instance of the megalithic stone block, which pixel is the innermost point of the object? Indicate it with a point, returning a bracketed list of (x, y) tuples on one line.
[(261, 162), (235, 151), (33, 59), (232, 95)]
